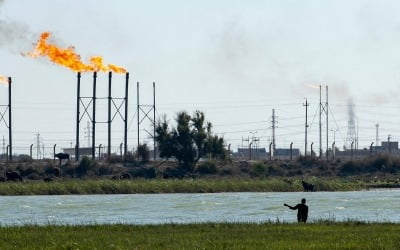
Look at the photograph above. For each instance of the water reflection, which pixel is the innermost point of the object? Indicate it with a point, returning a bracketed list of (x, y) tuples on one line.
[(379, 205)]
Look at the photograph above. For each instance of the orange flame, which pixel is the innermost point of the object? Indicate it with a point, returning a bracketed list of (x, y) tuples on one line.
[(3, 79), (69, 58)]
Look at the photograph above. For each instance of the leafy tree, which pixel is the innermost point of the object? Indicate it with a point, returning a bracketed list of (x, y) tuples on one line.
[(189, 141)]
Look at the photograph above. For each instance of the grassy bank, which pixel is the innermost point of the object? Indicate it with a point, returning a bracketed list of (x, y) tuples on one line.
[(351, 235), (172, 186)]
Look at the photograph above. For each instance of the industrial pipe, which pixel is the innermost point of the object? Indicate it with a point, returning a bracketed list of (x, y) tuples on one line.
[(291, 150), (99, 152), (120, 151), (312, 152), (370, 149), (8, 150), (31, 151), (270, 151), (54, 152)]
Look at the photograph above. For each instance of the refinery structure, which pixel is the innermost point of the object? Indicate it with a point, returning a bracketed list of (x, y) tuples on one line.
[(251, 147)]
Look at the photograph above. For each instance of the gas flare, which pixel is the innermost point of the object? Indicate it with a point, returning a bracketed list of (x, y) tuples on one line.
[(67, 57), (3, 79)]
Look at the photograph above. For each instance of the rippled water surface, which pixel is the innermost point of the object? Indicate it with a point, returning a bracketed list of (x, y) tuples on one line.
[(379, 205)]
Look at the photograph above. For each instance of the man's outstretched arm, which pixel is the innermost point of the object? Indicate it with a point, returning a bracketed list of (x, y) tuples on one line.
[(290, 206)]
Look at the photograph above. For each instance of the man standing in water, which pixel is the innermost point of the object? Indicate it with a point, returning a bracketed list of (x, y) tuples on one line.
[(302, 210)]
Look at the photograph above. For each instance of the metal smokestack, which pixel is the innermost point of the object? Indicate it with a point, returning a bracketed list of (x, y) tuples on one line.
[(77, 115), (126, 116), (94, 117), (9, 118), (109, 115)]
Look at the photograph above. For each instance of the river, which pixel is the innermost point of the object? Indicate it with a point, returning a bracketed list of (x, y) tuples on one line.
[(371, 206)]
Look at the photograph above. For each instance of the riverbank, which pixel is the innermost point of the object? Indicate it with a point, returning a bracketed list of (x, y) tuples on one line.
[(135, 186), (320, 235)]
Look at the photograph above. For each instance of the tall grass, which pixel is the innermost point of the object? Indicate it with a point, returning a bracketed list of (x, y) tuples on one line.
[(62, 187), (347, 235)]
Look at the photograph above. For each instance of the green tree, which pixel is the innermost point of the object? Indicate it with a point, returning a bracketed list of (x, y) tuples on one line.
[(189, 141)]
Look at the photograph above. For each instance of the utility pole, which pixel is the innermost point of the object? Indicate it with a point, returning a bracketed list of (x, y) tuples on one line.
[(273, 131), (320, 123), (306, 127)]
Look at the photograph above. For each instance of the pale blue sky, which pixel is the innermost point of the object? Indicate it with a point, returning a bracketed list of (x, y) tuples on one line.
[(234, 60)]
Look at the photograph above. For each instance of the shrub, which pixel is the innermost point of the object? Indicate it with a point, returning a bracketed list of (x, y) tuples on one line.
[(379, 164), (85, 165), (115, 159), (176, 172), (148, 172), (51, 170), (27, 170), (207, 167), (24, 158), (130, 158), (259, 168), (349, 168), (307, 161), (105, 170), (275, 170)]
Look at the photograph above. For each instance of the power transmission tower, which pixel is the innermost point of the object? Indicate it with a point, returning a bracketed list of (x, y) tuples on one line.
[(351, 125), (323, 108), (88, 133), (145, 111), (38, 150), (273, 131)]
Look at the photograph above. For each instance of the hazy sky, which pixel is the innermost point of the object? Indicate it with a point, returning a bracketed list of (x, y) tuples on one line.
[(234, 60)]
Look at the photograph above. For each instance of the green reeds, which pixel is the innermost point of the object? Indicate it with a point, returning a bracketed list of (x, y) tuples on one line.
[(62, 187), (333, 235)]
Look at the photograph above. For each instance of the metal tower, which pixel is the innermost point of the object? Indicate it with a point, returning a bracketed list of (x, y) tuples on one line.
[(351, 125)]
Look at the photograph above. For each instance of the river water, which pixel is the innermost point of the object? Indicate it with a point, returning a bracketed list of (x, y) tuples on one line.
[(371, 206)]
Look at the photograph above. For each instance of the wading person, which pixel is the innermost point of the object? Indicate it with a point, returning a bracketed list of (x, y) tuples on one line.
[(302, 210)]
